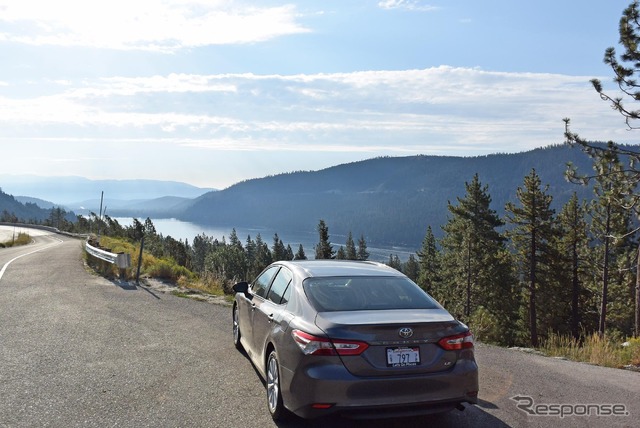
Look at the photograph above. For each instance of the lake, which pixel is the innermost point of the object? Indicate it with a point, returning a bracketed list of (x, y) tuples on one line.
[(183, 230)]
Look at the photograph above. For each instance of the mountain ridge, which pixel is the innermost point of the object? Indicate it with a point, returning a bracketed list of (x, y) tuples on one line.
[(71, 191), (389, 200)]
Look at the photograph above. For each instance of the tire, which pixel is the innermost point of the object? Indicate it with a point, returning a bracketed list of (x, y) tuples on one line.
[(274, 395), (236, 328)]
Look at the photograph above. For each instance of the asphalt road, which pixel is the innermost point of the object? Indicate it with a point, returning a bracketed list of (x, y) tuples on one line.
[(77, 350)]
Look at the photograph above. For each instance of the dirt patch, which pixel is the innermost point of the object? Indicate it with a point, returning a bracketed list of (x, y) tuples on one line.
[(189, 293)]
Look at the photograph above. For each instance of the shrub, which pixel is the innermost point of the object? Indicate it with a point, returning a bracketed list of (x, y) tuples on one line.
[(631, 351), (167, 269), (485, 326), (207, 283)]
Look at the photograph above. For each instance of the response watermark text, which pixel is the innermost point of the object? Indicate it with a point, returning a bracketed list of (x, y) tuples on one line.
[(529, 406)]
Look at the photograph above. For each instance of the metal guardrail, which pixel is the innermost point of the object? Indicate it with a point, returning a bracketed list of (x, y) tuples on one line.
[(122, 260)]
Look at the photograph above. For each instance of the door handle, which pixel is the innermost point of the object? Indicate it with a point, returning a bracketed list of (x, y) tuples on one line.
[(270, 318), (253, 306)]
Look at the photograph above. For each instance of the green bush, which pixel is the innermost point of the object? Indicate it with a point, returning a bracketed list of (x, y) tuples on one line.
[(167, 269), (485, 326)]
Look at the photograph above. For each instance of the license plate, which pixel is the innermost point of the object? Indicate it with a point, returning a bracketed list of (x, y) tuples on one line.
[(403, 357)]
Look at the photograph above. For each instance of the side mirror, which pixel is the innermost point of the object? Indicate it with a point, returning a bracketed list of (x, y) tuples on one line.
[(242, 287)]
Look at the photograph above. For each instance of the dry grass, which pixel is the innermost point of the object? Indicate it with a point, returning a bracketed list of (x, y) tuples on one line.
[(594, 349), (207, 284), (21, 239)]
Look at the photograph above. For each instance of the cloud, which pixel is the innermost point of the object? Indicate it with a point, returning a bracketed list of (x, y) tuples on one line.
[(411, 5), (152, 25), (439, 110), (172, 83)]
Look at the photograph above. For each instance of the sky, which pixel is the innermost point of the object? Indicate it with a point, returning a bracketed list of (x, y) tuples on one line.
[(213, 92)]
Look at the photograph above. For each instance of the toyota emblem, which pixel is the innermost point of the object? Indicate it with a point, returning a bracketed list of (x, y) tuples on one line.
[(405, 332)]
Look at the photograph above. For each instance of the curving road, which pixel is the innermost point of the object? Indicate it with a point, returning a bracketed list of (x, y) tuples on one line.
[(41, 240), (77, 350)]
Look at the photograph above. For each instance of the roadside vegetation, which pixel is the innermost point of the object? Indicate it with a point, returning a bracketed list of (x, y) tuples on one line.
[(163, 267), (21, 239), (607, 351), (207, 264)]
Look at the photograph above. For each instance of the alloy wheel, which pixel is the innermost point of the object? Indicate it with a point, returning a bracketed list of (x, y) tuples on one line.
[(273, 383), (236, 328)]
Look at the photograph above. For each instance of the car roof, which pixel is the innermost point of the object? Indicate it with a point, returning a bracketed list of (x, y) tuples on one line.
[(325, 268)]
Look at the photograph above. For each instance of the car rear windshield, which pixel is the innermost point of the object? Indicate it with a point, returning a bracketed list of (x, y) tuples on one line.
[(366, 293)]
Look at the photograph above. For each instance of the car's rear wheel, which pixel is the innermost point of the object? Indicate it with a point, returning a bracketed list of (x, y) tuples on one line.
[(274, 395), (236, 328)]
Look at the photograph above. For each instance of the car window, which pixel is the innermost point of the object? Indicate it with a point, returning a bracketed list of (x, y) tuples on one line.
[(287, 293), (366, 293), (279, 286), (261, 283)]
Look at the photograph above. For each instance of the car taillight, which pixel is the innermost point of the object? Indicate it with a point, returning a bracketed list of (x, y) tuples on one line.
[(314, 345), (459, 341)]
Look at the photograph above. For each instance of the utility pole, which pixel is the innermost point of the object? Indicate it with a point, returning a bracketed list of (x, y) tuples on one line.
[(100, 217)]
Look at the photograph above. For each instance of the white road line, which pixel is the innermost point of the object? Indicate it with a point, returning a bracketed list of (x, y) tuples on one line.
[(4, 268)]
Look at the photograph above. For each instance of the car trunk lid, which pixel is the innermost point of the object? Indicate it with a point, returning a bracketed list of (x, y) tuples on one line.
[(401, 342)]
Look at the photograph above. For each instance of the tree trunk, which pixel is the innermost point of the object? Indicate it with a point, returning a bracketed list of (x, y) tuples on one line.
[(637, 323), (532, 293), (605, 277), (467, 309), (575, 295)]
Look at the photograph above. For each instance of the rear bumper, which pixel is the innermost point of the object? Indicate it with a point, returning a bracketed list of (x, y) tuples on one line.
[(383, 412), (331, 386)]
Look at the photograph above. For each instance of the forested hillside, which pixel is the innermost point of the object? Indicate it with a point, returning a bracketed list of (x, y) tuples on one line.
[(12, 210), (389, 200)]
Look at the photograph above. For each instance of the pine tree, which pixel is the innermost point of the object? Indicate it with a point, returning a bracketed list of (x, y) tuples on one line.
[(626, 73), (262, 257), (573, 245), (350, 250), (288, 254), (136, 230), (412, 268), (324, 250), (470, 247), (202, 245), (300, 255), (610, 224), (394, 262), (625, 69), (251, 251), (233, 239), (533, 227), (362, 254), (429, 260), (341, 254), (278, 250), (228, 261)]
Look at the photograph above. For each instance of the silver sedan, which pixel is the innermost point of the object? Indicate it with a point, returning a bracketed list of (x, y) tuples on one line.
[(356, 338)]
